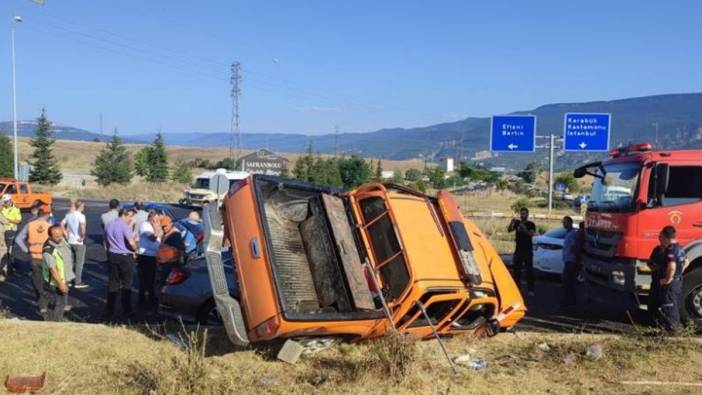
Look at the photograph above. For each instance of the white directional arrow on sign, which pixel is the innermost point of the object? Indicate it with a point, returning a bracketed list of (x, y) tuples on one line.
[(582, 145), (513, 146)]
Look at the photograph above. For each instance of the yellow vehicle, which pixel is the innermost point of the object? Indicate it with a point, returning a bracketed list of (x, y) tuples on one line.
[(316, 261)]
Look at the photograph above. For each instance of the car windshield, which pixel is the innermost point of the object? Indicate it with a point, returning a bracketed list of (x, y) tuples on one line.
[(614, 187), (202, 183)]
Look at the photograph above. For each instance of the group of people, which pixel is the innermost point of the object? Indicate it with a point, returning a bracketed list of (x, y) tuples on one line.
[(147, 242), (666, 262), (132, 240)]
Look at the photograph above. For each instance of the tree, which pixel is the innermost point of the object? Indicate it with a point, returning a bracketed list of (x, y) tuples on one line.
[(182, 173), (226, 163), (141, 162), (158, 161), (530, 172), (7, 164), (379, 170), (304, 165), (397, 177), (354, 171), (113, 164), (437, 177), (45, 168), (569, 181), (284, 172), (413, 175)]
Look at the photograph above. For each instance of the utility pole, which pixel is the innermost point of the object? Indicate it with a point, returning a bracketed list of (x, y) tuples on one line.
[(551, 148), (15, 21), (236, 91), (336, 140)]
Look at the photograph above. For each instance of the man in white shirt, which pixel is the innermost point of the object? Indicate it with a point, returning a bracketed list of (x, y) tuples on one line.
[(149, 240), (75, 227)]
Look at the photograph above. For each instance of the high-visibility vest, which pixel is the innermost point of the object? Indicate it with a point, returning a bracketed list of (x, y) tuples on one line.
[(12, 213), (37, 234), (58, 259)]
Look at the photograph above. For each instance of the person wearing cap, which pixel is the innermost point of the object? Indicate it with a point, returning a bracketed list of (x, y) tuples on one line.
[(31, 241), (121, 248), (13, 216)]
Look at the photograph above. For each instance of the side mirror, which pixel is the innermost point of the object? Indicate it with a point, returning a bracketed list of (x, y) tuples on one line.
[(580, 172), (661, 174)]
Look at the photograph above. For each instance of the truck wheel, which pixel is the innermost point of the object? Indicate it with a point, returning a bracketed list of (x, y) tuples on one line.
[(208, 314), (691, 309)]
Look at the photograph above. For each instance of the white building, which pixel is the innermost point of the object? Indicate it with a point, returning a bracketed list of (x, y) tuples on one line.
[(447, 164)]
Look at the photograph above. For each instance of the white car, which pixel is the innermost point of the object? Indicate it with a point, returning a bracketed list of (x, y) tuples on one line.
[(548, 250)]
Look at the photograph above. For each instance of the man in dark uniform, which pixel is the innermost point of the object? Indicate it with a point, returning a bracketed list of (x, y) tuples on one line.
[(667, 262), (523, 251)]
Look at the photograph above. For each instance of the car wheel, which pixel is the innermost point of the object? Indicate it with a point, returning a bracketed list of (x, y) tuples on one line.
[(208, 314)]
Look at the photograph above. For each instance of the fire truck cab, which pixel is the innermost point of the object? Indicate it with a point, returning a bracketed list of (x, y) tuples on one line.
[(635, 194)]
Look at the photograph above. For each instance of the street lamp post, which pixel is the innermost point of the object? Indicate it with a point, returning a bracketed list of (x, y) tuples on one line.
[(15, 20)]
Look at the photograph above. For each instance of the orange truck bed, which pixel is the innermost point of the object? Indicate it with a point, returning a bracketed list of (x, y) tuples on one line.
[(22, 194)]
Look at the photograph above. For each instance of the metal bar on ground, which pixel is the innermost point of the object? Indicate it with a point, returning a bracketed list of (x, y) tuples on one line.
[(436, 335)]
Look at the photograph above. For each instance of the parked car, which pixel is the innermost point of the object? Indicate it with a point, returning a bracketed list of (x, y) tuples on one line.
[(548, 251), (187, 294)]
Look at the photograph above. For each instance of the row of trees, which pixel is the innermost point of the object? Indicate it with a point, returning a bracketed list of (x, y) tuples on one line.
[(114, 164)]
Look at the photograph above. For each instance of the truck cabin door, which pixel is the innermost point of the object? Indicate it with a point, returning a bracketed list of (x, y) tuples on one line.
[(679, 203)]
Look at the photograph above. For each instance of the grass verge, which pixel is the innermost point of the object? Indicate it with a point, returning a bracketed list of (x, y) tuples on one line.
[(83, 358)]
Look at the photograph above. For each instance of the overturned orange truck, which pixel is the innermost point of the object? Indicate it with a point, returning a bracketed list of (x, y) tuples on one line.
[(314, 261)]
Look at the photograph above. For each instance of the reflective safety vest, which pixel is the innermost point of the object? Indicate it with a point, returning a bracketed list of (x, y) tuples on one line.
[(13, 214), (37, 234), (58, 259)]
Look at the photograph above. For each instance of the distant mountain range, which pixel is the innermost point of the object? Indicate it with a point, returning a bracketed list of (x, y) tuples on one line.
[(673, 120)]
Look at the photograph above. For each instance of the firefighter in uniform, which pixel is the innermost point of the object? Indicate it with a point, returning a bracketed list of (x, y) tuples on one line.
[(667, 263)]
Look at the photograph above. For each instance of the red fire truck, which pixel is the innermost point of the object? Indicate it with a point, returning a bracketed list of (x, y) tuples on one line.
[(635, 194)]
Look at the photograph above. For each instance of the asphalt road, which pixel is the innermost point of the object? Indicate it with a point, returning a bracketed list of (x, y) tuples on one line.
[(17, 297)]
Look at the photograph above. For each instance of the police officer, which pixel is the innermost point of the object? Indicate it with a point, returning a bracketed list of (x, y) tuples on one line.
[(667, 262)]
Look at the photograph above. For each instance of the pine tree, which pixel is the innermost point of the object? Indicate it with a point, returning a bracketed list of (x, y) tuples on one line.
[(7, 164), (158, 161), (379, 170), (141, 161), (304, 166), (284, 172), (45, 168), (182, 173), (113, 164)]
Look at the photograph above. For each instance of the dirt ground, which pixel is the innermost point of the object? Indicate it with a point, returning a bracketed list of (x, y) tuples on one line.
[(92, 358)]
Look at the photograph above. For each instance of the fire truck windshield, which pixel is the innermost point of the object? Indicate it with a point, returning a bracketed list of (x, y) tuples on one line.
[(614, 187)]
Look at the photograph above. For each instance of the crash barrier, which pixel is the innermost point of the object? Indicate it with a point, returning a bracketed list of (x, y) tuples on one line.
[(493, 214)]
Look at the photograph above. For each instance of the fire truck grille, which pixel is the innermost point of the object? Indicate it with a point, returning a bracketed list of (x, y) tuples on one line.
[(601, 243)]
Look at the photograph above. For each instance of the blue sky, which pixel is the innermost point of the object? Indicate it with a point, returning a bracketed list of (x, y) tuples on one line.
[(363, 65)]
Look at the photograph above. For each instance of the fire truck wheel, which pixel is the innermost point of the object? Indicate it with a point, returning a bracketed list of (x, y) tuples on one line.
[(692, 297)]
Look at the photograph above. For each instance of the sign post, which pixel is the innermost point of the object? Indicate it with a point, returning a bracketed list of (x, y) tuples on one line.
[(513, 133), (586, 132)]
